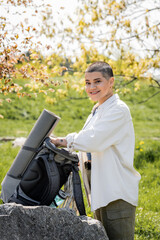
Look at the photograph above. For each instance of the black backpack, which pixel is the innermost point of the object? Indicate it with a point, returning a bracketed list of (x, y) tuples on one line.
[(45, 176)]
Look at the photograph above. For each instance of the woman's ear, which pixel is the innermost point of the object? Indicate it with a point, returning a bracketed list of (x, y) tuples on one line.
[(111, 80)]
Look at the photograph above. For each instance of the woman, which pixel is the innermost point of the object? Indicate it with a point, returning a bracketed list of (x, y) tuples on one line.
[(106, 144)]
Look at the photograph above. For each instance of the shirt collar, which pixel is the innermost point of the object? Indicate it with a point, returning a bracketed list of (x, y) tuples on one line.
[(113, 98), (106, 103)]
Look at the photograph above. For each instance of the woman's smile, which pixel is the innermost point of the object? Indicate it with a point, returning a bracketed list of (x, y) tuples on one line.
[(95, 92)]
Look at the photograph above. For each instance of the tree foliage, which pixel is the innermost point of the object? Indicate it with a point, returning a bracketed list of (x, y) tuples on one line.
[(124, 33), (126, 30), (21, 52)]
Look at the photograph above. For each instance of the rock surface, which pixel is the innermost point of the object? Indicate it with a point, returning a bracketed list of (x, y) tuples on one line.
[(18, 222)]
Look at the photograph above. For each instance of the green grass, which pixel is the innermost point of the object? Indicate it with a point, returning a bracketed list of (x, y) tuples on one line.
[(21, 114), (8, 153), (148, 212)]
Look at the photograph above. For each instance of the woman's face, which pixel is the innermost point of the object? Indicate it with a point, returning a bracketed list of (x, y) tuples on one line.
[(98, 88)]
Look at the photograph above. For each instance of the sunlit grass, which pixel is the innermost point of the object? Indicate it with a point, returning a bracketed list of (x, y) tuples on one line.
[(21, 115)]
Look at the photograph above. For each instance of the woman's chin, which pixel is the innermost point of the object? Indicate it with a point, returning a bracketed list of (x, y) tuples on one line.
[(94, 99)]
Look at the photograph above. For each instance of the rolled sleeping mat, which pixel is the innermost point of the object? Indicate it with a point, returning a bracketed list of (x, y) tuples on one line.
[(42, 129)]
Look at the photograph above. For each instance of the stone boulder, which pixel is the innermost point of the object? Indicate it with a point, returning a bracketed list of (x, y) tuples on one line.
[(19, 222)]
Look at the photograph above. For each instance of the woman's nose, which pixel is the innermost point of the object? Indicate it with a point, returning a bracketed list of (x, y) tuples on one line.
[(92, 86)]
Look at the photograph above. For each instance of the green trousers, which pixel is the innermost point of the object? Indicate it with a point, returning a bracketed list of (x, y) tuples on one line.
[(118, 219)]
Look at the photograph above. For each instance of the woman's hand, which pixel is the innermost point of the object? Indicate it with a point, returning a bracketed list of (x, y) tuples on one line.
[(59, 142)]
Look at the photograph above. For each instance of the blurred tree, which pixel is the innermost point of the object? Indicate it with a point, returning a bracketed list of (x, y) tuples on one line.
[(124, 33), (21, 50), (127, 30)]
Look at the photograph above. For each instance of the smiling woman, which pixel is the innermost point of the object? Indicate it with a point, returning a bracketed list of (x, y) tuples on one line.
[(106, 152)]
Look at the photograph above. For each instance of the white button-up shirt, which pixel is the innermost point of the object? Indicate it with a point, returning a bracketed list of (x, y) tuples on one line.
[(109, 137)]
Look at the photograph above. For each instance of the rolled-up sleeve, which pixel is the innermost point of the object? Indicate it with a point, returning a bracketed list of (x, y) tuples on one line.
[(107, 130), (70, 141)]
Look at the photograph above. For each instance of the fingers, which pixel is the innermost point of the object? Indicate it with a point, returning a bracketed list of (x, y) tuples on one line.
[(59, 142), (54, 141)]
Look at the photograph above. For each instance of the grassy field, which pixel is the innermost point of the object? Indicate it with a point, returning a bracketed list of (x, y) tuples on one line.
[(21, 114)]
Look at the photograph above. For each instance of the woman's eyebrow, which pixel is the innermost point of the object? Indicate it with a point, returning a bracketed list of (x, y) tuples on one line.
[(95, 79)]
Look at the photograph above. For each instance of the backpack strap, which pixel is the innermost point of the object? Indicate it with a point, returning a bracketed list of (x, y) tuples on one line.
[(62, 152), (53, 177), (77, 191), (30, 149)]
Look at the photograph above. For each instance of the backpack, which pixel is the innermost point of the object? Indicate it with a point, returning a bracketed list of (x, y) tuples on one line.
[(46, 174)]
